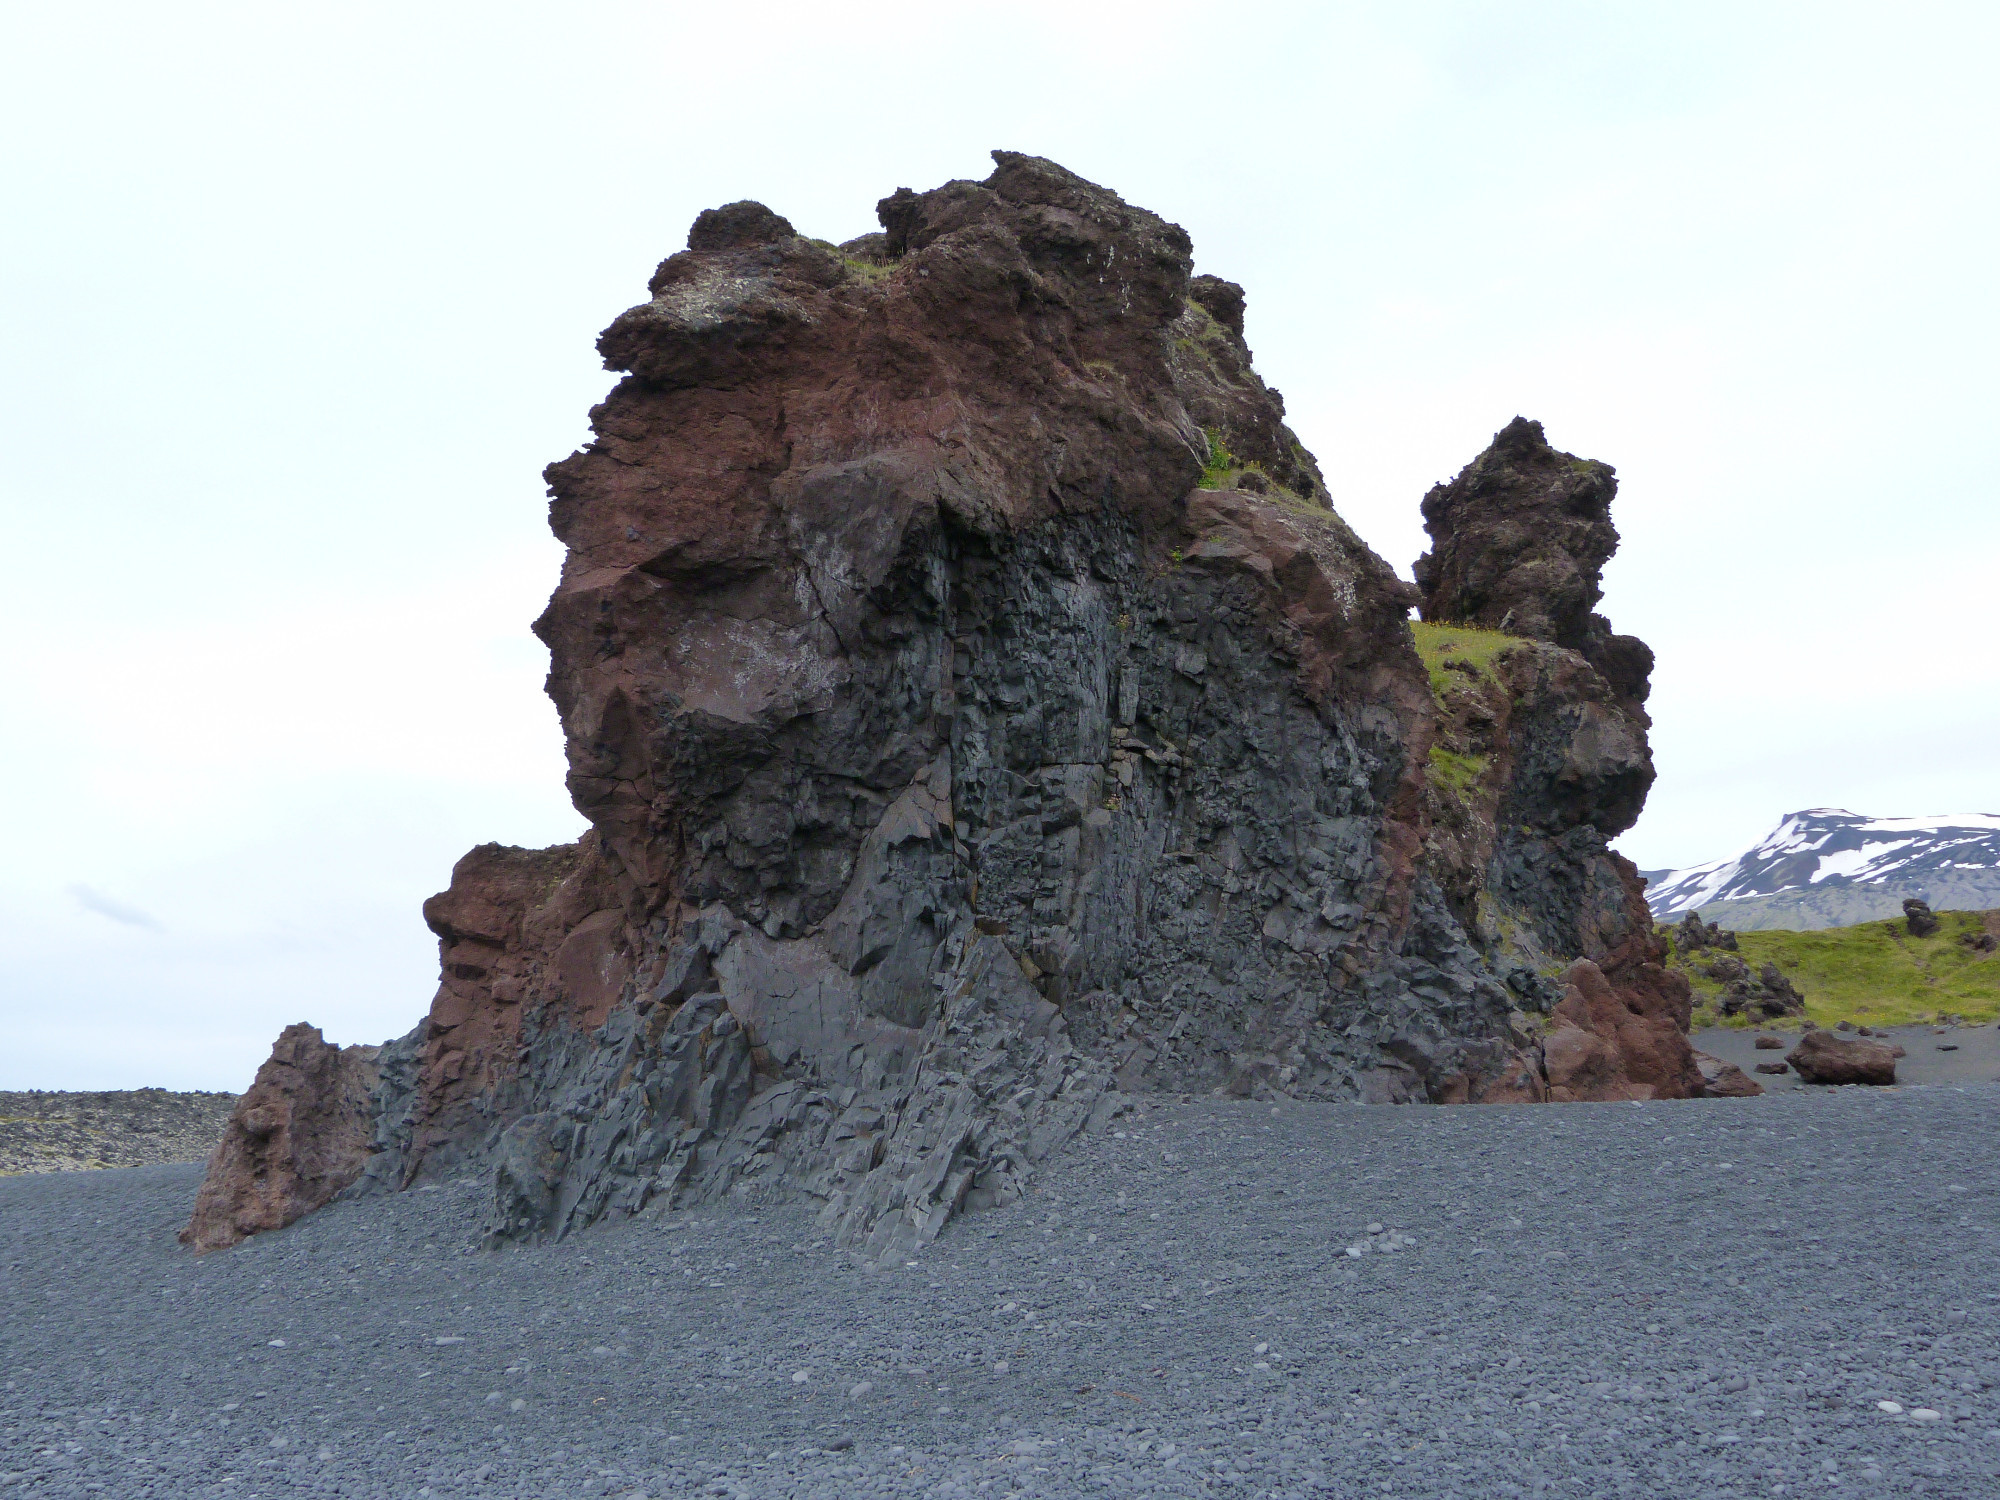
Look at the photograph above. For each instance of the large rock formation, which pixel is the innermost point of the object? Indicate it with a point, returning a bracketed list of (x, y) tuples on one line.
[(982, 716), (1543, 758)]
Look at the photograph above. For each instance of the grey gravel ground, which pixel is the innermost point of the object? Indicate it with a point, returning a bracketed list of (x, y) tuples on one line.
[(1687, 1299)]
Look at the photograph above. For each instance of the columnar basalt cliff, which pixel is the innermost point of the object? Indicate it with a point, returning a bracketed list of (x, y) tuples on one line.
[(982, 716)]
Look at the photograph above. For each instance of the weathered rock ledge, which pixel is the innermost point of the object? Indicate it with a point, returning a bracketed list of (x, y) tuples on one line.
[(983, 717)]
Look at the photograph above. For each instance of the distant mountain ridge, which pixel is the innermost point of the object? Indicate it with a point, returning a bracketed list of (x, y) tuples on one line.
[(1827, 867)]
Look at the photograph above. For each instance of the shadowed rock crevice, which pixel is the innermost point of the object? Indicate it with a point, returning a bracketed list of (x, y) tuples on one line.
[(982, 717)]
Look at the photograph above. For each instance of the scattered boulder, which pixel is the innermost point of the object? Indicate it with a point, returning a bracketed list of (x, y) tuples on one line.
[(1770, 1044), (1724, 1080), (1980, 942), (1694, 936), (1767, 996), (1919, 918), (1822, 1057), (299, 1137), (1773, 1067)]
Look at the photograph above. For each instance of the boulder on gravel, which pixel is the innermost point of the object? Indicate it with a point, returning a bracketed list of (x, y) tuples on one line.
[(1770, 1044), (1822, 1057), (1724, 1080), (296, 1139)]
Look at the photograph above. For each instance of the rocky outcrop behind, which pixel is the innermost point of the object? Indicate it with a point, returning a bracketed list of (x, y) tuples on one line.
[(48, 1131), (1693, 936), (982, 717), (296, 1139)]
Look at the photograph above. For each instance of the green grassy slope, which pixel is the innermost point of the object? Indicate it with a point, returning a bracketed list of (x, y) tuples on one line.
[(1873, 974)]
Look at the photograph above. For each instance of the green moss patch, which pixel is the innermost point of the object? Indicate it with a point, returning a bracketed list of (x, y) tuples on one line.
[(1444, 647), (1873, 973), (1456, 773)]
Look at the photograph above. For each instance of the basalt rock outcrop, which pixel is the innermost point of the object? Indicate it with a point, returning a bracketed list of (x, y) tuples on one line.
[(1540, 759), (1520, 539), (1764, 996), (982, 717)]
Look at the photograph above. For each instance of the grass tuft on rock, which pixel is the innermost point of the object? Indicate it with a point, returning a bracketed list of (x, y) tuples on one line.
[(1444, 647), (1458, 774)]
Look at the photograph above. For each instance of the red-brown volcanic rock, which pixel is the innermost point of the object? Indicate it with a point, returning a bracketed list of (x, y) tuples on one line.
[(1822, 1057), (297, 1139)]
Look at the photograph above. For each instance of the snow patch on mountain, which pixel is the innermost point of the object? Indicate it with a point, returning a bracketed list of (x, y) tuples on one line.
[(1829, 845)]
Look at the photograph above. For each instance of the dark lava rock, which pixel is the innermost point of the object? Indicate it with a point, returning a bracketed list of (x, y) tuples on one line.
[(1767, 996), (1919, 918), (1822, 1057), (1770, 1044), (1694, 936), (1519, 543), (1773, 1067), (958, 766)]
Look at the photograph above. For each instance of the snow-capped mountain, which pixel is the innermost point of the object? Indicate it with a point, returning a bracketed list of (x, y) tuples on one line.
[(1828, 867)]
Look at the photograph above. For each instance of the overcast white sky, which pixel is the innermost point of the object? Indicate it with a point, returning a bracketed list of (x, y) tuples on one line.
[(296, 302)]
